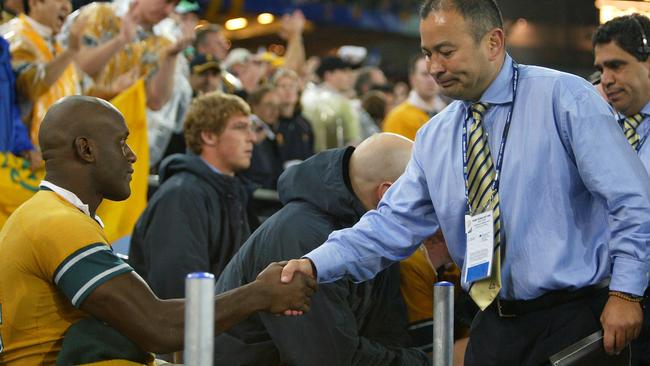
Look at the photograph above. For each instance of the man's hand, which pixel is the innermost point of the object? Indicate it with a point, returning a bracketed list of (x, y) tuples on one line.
[(187, 37), (297, 265), (124, 81), (292, 298), (127, 29), (76, 33), (621, 321), (292, 25)]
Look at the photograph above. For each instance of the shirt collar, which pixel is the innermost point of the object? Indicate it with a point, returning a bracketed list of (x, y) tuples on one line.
[(645, 111), (212, 167), (70, 197), (436, 105), (42, 30), (500, 90)]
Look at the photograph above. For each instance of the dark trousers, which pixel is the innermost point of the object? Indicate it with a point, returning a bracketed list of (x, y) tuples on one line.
[(530, 339)]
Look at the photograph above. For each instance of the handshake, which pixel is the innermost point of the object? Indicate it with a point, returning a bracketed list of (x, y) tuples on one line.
[(286, 287)]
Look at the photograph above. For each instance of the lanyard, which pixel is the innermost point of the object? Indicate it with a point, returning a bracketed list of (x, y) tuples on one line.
[(506, 128)]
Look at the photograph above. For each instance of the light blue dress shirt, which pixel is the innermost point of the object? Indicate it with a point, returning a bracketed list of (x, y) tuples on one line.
[(574, 197)]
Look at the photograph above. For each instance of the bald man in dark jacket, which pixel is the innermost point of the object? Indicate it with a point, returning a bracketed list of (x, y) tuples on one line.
[(349, 323)]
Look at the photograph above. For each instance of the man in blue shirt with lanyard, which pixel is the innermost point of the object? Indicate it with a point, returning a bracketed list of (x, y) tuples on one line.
[(621, 55), (540, 198)]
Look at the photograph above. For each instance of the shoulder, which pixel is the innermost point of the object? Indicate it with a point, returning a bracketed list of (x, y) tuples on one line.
[(556, 82), (62, 221)]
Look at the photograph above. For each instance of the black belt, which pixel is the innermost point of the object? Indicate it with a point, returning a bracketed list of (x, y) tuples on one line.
[(513, 308)]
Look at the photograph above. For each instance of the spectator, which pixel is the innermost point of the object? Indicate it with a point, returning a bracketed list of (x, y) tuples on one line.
[(13, 134), (121, 48), (205, 74), (196, 220), (294, 136), (350, 323), (266, 164), (44, 70), (333, 117), (423, 102), (165, 126), (10, 9), (247, 69)]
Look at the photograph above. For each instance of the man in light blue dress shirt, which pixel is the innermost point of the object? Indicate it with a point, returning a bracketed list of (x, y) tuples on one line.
[(621, 53), (574, 198)]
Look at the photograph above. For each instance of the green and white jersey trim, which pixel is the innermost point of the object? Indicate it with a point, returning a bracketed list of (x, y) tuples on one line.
[(87, 268)]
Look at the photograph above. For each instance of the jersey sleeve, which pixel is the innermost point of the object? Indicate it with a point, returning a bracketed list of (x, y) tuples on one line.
[(77, 258)]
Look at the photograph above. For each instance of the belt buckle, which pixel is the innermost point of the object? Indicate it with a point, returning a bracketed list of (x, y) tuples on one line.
[(501, 313)]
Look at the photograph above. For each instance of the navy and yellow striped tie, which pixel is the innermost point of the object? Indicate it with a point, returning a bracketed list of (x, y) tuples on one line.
[(482, 197), (629, 129)]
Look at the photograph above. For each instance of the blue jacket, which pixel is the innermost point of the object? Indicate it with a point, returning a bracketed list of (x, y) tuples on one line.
[(13, 133)]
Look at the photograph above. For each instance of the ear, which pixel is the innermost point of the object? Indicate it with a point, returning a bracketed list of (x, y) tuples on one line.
[(495, 43), (85, 149), (381, 189), (209, 138)]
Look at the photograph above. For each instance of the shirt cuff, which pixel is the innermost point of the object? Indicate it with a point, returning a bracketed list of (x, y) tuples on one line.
[(629, 275), (328, 263)]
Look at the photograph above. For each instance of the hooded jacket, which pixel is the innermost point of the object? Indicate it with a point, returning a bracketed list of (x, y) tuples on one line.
[(195, 222), (349, 323)]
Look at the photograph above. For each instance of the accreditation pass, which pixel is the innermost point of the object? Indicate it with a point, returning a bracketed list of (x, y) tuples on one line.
[(480, 244)]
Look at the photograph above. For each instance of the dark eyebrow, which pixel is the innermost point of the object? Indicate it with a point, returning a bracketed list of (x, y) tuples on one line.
[(438, 46)]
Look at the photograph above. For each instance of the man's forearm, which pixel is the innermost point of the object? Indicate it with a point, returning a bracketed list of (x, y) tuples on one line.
[(38, 79), (234, 306), (92, 60), (295, 55), (159, 88), (55, 68)]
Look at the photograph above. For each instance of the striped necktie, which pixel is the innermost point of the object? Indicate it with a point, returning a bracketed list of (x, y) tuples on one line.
[(629, 129), (482, 197)]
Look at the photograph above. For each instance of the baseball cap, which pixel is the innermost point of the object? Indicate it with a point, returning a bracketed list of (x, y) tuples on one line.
[(201, 63)]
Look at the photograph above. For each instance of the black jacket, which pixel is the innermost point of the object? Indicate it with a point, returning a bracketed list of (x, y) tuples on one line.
[(195, 222), (349, 323)]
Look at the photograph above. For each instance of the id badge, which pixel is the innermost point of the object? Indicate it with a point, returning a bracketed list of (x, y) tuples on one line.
[(480, 244)]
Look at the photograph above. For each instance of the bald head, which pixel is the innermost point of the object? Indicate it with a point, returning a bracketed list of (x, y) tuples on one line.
[(72, 117), (83, 140), (376, 163)]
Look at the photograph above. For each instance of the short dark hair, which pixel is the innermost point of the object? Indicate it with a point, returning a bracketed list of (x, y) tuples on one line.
[(482, 15), (625, 32)]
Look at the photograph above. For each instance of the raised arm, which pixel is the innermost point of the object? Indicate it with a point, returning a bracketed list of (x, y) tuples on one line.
[(159, 87), (93, 59)]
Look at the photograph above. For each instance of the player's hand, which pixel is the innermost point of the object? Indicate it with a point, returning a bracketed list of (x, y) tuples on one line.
[(293, 298), (621, 321)]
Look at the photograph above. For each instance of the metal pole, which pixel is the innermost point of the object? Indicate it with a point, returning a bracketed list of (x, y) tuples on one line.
[(443, 324), (199, 319)]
